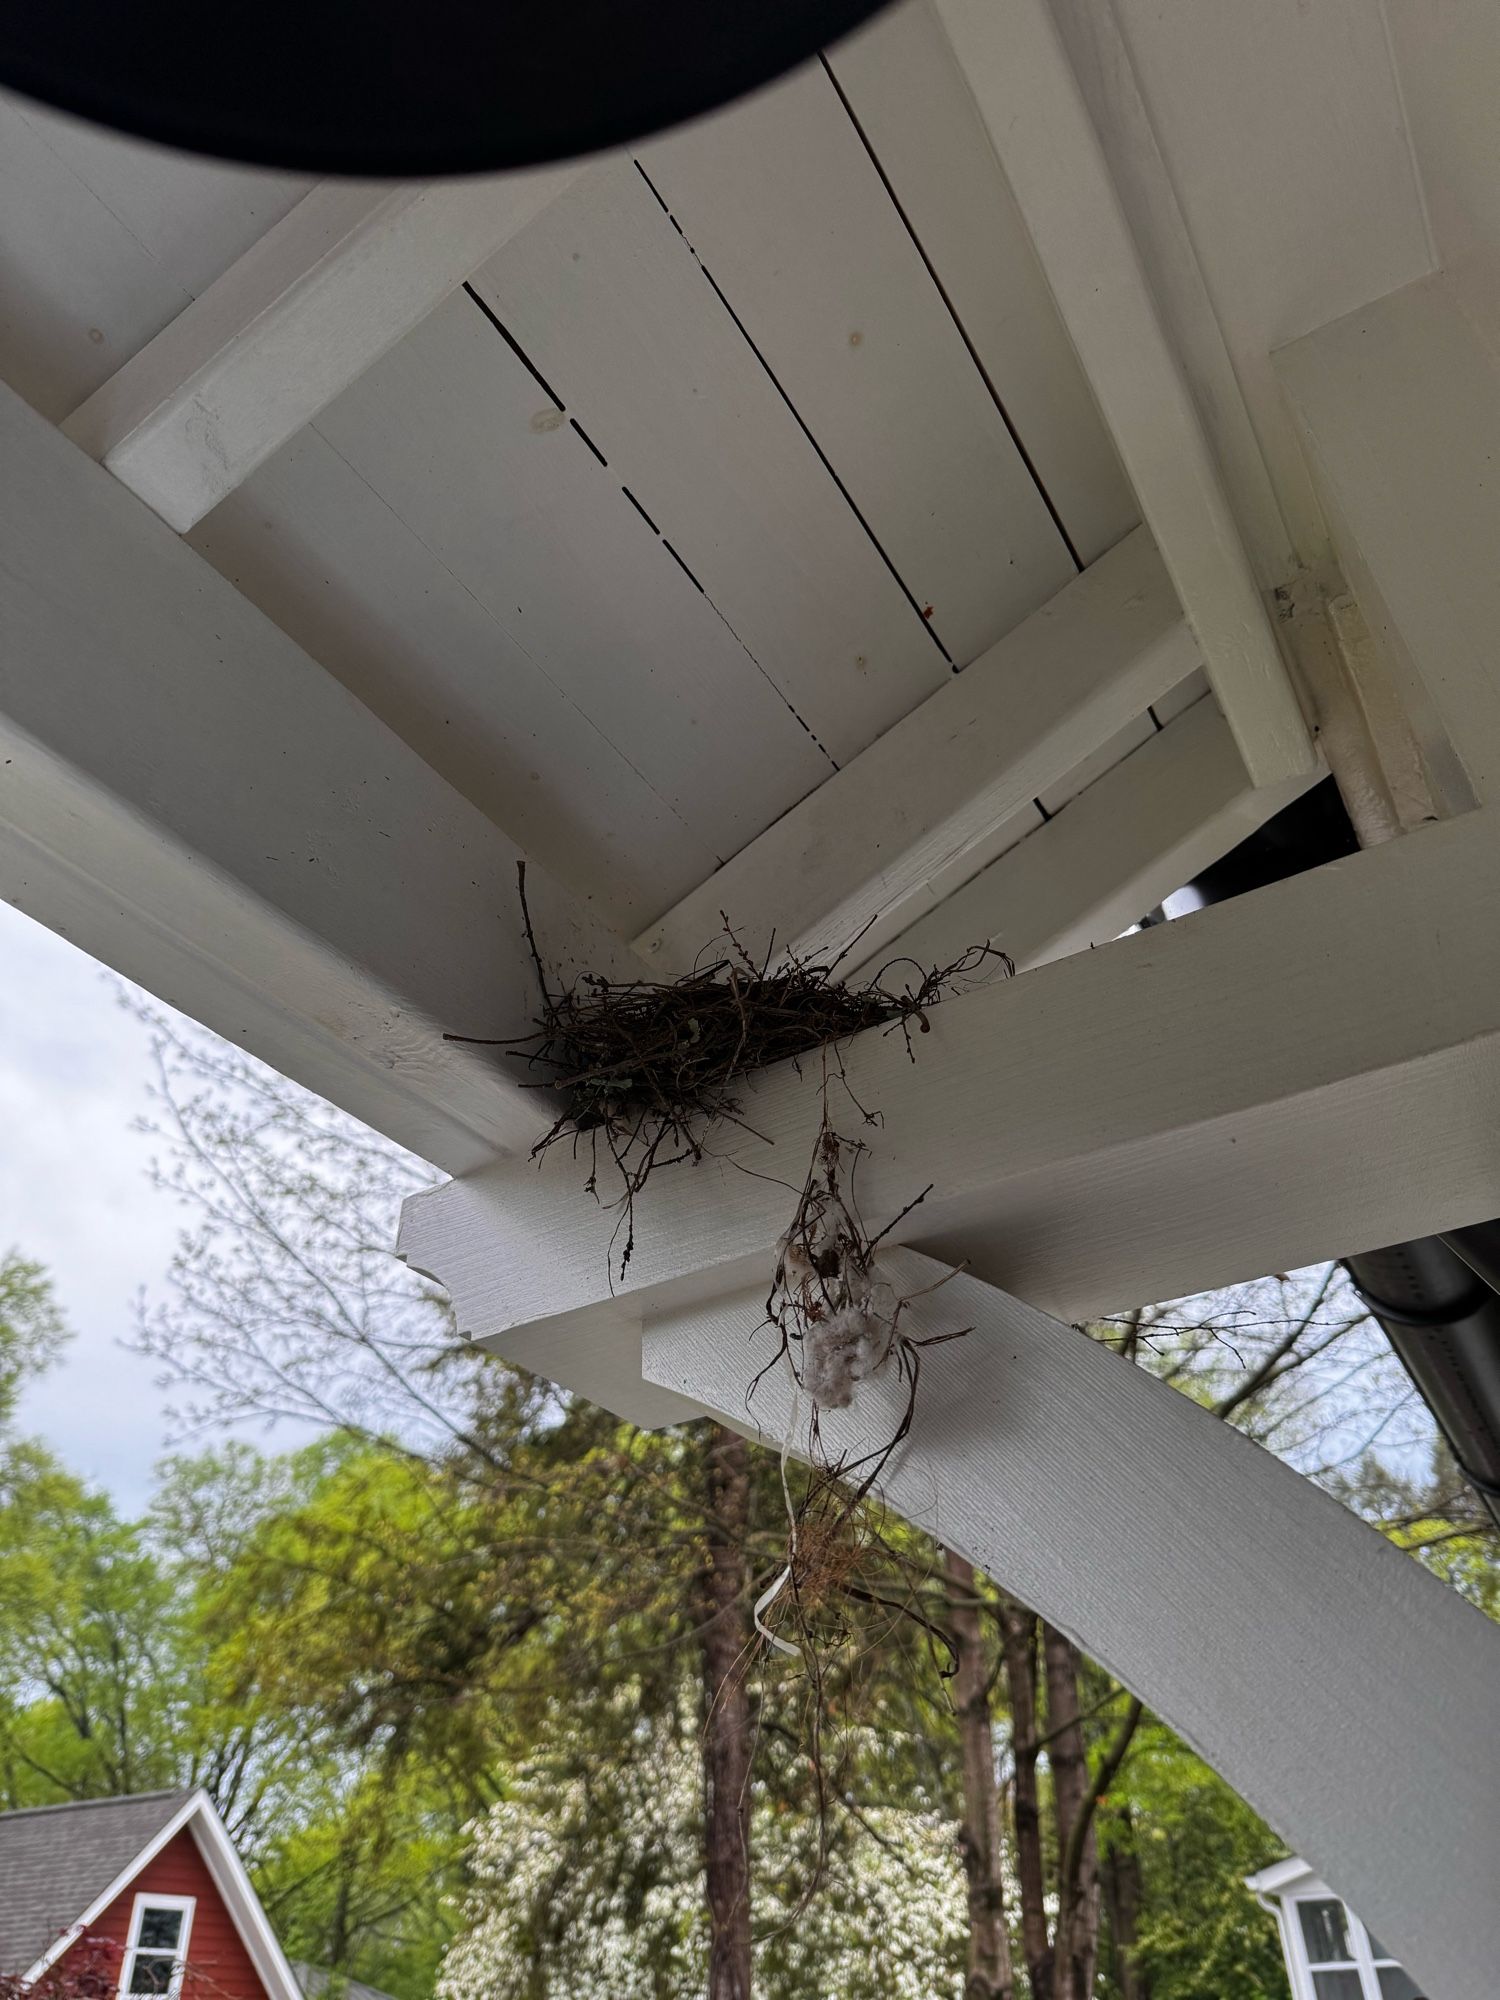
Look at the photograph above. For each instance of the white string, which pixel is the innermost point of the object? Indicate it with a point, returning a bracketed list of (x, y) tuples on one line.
[(768, 1596)]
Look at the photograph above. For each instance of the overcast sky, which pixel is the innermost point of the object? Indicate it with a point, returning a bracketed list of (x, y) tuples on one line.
[(74, 1195)]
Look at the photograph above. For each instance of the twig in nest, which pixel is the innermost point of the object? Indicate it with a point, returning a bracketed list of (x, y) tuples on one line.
[(646, 1066)]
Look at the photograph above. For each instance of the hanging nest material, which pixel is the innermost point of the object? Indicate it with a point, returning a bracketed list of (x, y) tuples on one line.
[(647, 1067)]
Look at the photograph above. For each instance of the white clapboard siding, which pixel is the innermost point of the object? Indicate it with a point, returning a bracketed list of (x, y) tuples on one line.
[(187, 795), (105, 241), (908, 96), (303, 313), (1297, 1074), (613, 309), (1035, 114), (1399, 404), (858, 855), (462, 443), (325, 557), (781, 201), (1280, 1635), (1168, 810)]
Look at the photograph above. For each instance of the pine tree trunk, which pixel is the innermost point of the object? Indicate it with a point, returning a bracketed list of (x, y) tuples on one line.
[(1018, 1641), (990, 1976), (1076, 1937), (1122, 1896), (727, 1727)]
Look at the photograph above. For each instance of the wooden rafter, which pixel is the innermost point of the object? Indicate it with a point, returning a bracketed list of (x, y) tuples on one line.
[(325, 292), (1034, 111), (1176, 804), (191, 798), (857, 855)]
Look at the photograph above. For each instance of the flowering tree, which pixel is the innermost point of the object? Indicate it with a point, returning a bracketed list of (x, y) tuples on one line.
[(560, 1908)]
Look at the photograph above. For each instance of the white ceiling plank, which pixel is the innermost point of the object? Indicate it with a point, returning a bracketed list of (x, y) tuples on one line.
[(1029, 98), (909, 98), (188, 796), (1399, 404), (1294, 1075), (784, 206), (317, 549), (612, 308), (459, 439), (1134, 836), (326, 291), (858, 854), (105, 241), (1284, 1637)]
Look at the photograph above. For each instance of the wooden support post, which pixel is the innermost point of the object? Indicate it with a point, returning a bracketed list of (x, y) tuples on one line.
[(1399, 406)]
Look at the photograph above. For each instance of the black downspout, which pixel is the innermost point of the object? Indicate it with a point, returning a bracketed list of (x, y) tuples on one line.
[(1437, 1298)]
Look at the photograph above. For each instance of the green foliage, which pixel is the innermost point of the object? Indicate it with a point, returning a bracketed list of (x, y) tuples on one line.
[(32, 1333), (1202, 1934)]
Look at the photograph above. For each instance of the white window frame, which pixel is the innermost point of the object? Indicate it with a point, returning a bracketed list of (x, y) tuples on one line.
[(1361, 1957), (146, 1900)]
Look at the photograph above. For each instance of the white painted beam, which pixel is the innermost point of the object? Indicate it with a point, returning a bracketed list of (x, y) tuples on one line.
[(858, 854), (1275, 1631), (191, 798), (1160, 816), (1297, 1074), (1399, 407), (1034, 111), (325, 292)]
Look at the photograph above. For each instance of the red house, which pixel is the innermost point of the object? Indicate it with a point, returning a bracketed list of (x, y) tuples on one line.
[(147, 1889)]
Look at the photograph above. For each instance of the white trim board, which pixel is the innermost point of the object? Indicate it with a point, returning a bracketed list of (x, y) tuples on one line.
[(325, 291), (858, 855), (1033, 109), (1297, 1074), (1275, 1631), (1165, 812), (192, 799)]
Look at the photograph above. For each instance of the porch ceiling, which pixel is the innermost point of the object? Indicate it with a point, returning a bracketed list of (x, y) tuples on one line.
[(720, 468)]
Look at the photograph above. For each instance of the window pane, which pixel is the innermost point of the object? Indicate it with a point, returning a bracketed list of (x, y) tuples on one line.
[(151, 1973), (1324, 1933), (1338, 1985), (160, 1930), (1396, 1984)]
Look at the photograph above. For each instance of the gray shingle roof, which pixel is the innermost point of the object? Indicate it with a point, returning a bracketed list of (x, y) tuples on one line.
[(56, 1860), (317, 1980)]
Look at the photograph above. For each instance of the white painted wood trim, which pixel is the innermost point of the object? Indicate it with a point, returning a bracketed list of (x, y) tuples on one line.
[(325, 292), (188, 796), (1030, 101), (1399, 408), (1133, 837), (861, 850), (1297, 1074), (1288, 1642)]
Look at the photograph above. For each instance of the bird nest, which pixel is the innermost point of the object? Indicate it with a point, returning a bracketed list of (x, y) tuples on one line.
[(646, 1068)]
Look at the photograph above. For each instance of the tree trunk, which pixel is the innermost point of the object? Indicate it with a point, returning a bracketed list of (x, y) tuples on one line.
[(1018, 1643), (726, 1730), (990, 1976), (1122, 1895), (1076, 1938)]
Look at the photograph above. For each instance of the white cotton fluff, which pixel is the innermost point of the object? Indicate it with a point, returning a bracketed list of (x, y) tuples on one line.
[(845, 1348)]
